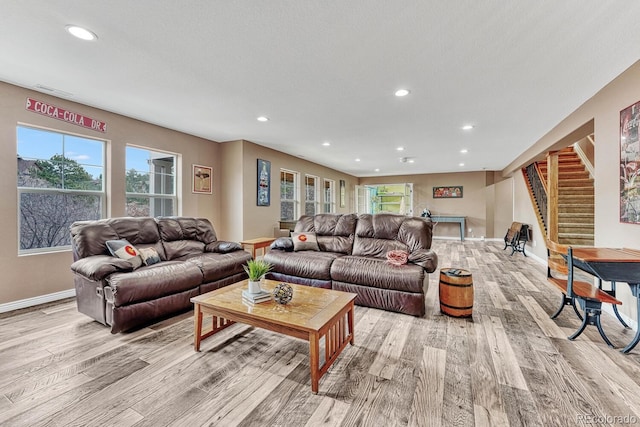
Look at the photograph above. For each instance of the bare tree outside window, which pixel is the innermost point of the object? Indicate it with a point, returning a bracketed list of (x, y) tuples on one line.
[(60, 180)]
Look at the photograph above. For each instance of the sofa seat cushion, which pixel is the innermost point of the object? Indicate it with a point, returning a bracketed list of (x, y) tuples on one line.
[(154, 281), (309, 264), (215, 266), (378, 273)]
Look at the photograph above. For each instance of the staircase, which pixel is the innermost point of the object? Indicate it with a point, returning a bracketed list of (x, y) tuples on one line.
[(575, 199)]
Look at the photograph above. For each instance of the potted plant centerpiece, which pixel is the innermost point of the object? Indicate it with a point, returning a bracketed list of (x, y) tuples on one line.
[(256, 270)]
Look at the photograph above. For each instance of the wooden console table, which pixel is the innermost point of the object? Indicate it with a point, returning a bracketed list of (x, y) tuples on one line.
[(458, 219)]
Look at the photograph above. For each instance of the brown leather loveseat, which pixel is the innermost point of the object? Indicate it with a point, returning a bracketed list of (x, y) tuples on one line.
[(191, 261), (351, 255)]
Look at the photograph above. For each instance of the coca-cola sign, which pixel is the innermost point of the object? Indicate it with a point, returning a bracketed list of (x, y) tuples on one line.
[(59, 113)]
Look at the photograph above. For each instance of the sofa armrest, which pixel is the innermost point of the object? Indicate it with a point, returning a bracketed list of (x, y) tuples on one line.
[(283, 244), (222, 247), (97, 267), (425, 258)]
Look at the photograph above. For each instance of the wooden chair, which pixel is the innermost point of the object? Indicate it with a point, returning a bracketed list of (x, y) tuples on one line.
[(587, 295)]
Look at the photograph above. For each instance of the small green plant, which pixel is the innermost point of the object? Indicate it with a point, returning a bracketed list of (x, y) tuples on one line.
[(257, 268)]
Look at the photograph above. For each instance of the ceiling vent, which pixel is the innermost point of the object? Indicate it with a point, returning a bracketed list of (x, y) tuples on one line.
[(52, 91)]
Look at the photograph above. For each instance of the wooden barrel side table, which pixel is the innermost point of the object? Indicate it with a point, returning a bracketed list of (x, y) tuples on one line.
[(456, 292)]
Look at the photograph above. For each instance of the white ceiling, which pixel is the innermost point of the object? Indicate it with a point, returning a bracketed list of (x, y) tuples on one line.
[(326, 70)]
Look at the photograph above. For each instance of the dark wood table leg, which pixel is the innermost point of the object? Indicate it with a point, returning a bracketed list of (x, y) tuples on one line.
[(197, 327)]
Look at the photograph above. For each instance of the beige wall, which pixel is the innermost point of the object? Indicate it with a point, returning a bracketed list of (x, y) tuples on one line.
[(41, 274), (472, 204), (503, 215)]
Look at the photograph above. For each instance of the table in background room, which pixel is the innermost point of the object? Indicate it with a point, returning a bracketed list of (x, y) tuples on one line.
[(458, 219)]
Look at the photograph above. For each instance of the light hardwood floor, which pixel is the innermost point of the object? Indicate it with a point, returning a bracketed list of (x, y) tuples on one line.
[(508, 365)]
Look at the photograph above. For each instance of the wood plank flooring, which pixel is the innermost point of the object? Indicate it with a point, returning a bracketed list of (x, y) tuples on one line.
[(510, 365)]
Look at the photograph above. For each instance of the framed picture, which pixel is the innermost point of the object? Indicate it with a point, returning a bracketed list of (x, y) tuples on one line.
[(453, 192), (202, 179), (264, 182), (343, 194), (630, 164)]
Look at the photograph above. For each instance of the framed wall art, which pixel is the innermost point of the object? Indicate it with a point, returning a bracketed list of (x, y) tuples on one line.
[(264, 183), (453, 192), (630, 164), (202, 179)]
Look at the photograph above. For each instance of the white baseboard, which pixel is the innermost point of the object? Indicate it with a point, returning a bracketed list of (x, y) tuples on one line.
[(633, 324), (42, 299)]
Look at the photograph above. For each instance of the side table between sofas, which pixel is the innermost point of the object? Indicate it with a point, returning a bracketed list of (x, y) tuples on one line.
[(252, 245)]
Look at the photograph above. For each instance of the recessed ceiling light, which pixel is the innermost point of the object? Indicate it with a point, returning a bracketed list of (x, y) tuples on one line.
[(326, 144), (411, 161), (400, 149), (402, 92), (357, 160), (376, 170), (461, 164), (263, 119), (81, 33), (464, 151), (467, 127)]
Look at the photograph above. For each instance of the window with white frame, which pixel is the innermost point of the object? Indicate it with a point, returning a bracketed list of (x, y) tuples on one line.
[(60, 180), (150, 183), (288, 195), (312, 195), (329, 190)]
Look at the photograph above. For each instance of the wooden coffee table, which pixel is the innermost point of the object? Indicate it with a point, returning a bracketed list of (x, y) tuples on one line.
[(313, 313)]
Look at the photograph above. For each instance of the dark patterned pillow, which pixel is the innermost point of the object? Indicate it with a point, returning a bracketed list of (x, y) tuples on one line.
[(305, 242), (149, 256), (124, 250)]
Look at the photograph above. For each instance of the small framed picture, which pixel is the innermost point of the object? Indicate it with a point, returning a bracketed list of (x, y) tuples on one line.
[(453, 192), (202, 179)]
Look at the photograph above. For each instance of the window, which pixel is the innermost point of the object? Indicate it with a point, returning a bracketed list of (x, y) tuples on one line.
[(312, 195), (150, 183), (329, 195), (288, 195), (60, 180)]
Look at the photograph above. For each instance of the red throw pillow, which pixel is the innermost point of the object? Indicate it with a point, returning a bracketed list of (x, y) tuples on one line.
[(397, 257)]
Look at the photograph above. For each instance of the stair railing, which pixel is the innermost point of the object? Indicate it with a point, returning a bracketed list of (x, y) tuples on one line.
[(539, 191)]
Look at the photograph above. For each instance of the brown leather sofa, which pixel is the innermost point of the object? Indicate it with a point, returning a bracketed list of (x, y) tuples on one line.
[(193, 261), (352, 257)]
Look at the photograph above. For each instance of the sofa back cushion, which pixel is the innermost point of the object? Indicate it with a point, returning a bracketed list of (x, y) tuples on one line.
[(89, 237), (183, 236), (334, 232), (378, 234)]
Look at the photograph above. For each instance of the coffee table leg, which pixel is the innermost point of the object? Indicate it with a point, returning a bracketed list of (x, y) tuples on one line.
[(197, 326), (350, 323), (314, 360)]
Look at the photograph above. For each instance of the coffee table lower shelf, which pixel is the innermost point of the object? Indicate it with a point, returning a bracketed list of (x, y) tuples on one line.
[(333, 322)]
